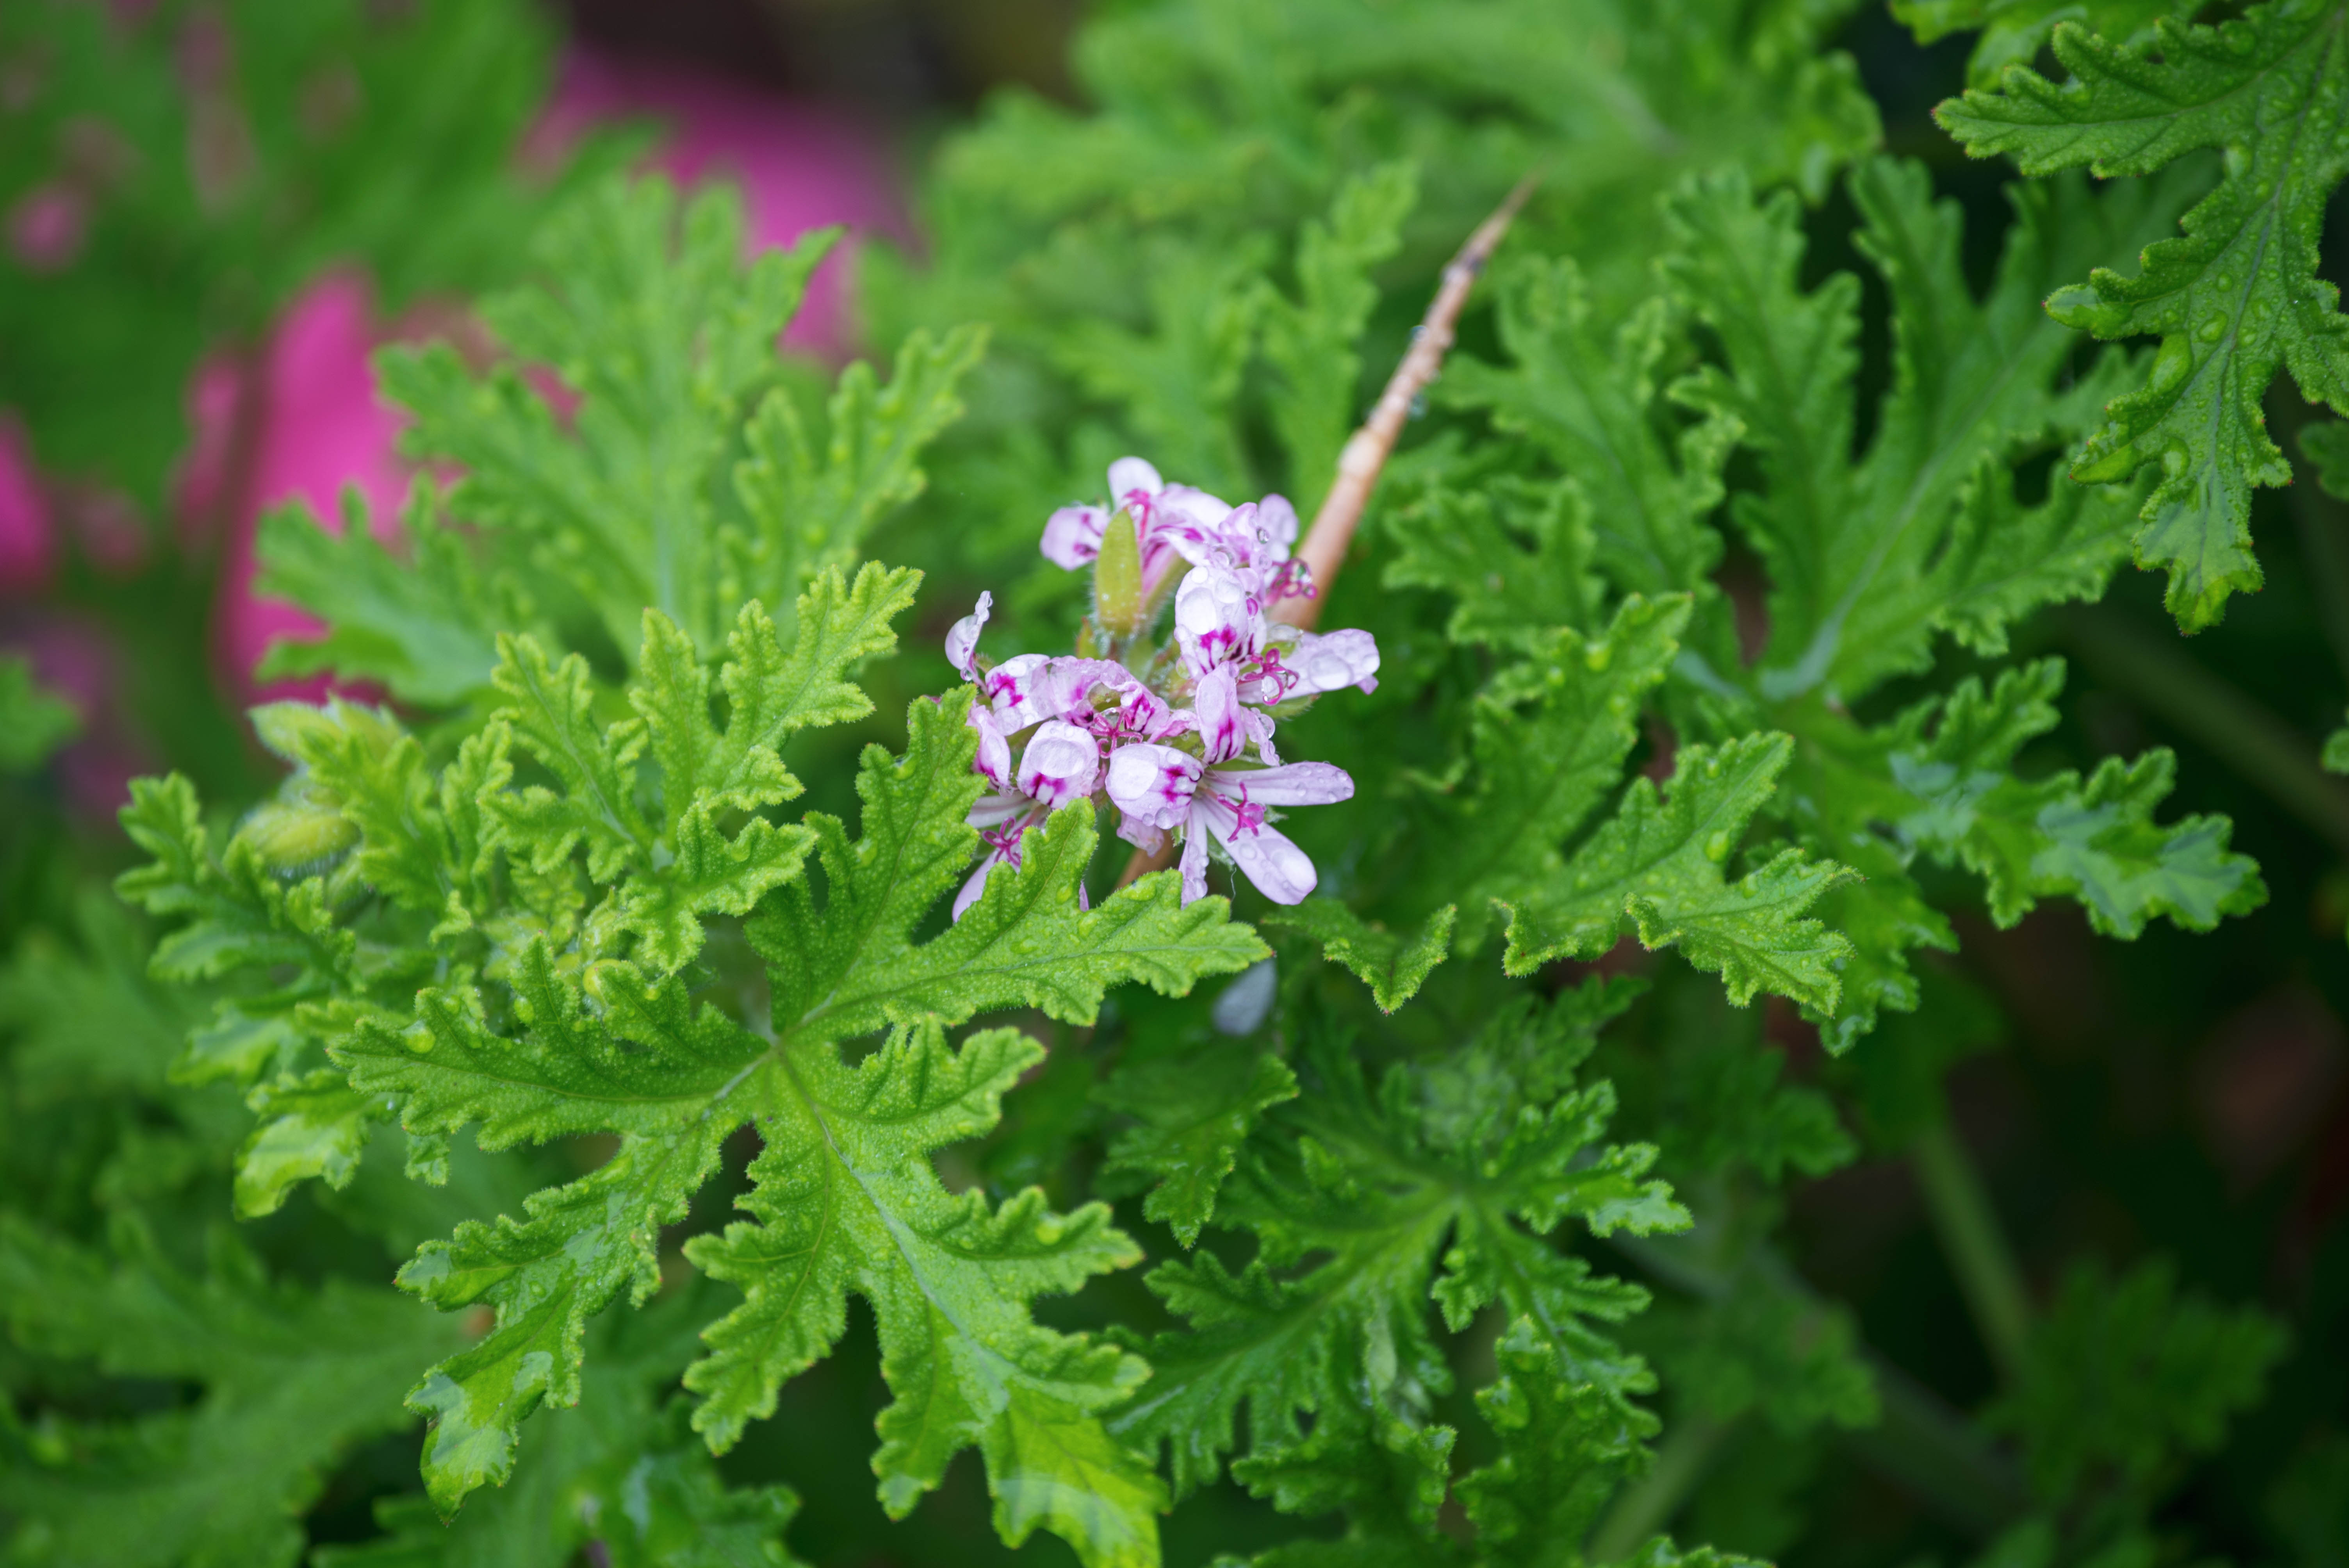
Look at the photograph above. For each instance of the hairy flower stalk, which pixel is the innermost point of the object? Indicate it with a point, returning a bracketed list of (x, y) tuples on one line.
[(1175, 730)]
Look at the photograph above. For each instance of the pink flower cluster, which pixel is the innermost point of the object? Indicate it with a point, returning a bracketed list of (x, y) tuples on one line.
[(1177, 733)]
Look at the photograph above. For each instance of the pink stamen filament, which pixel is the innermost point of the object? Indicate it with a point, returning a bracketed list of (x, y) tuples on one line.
[(1251, 816), (1005, 839)]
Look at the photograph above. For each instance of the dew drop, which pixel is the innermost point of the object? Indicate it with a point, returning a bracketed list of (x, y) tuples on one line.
[(2213, 329), (1716, 848)]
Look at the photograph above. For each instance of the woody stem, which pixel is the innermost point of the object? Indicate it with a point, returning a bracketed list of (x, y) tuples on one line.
[(1366, 453)]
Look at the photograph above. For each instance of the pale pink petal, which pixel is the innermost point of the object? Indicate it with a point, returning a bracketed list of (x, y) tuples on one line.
[(1152, 784), (1140, 834), (1195, 863), (1073, 536), (1280, 870), (1061, 764), (994, 810), (1223, 727), (1075, 681), (1326, 661), (1276, 524), (994, 759), (1023, 691), (1216, 618), (1201, 529), (962, 638), (976, 885), (1129, 475), (1293, 784)]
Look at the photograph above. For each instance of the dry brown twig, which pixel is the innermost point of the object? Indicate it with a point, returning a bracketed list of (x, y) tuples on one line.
[(1367, 451)]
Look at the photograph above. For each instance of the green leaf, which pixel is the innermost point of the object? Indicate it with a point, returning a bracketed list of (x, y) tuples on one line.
[(1178, 383), (1548, 742), (292, 1379), (684, 483), (2336, 751), (552, 711), (808, 513), (1659, 866), (1564, 1448), (1583, 396), (1193, 1110), (418, 626), (1514, 557), (1870, 558), (2238, 297), (635, 1059), (33, 722), (418, 843), (2094, 840), (2014, 31), (651, 320), (623, 1472), (563, 1034), (315, 1125), (771, 696), (83, 1016), (1791, 1359), (1392, 967), (305, 191), (237, 914), (1466, 1165), (2325, 443), (846, 1199), (1938, 780), (2127, 1373), (544, 1276)]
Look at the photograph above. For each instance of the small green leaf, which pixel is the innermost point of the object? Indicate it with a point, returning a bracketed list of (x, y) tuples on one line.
[(1193, 1112), (312, 1126), (33, 722), (1392, 967), (1659, 864)]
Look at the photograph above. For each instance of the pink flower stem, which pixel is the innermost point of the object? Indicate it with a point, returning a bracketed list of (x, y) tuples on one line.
[(1365, 455), (1366, 452)]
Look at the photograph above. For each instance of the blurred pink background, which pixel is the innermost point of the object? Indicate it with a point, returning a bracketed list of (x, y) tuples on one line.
[(318, 425)]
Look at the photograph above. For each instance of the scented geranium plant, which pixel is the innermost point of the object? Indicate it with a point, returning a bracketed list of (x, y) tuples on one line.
[(1508, 732)]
